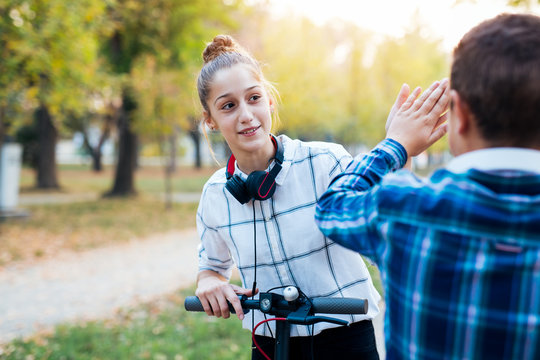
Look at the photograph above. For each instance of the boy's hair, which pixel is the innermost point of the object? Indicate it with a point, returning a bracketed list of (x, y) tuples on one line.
[(496, 71)]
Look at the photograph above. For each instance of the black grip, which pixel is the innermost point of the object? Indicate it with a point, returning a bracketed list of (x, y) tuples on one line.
[(340, 306), (192, 303)]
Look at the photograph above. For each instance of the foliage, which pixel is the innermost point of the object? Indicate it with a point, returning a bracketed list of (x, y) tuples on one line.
[(337, 81), (412, 59), (146, 38), (165, 103), (523, 3), (11, 84), (45, 63), (158, 45), (304, 75)]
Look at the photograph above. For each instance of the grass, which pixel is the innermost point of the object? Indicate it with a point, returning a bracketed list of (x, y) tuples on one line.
[(160, 330), (375, 277), (79, 226), (80, 179)]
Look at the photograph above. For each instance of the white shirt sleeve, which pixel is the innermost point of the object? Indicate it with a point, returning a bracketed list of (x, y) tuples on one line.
[(213, 251), (338, 159)]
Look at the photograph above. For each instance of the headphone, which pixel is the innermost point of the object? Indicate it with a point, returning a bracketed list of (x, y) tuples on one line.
[(259, 185)]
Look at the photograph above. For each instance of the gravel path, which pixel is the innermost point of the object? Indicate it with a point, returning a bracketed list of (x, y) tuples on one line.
[(93, 284)]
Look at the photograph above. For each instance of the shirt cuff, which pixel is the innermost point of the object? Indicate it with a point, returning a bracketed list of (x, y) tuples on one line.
[(395, 150)]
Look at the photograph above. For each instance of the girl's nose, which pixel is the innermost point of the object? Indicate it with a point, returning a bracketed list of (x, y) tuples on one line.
[(245, 113)]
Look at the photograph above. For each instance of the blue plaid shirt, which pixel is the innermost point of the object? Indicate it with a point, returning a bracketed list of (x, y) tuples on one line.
[(459, 253)]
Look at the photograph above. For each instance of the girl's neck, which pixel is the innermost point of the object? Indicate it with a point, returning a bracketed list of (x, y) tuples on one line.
[(256, 161)]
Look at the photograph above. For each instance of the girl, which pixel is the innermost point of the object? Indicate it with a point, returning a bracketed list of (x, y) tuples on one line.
[(258, 214)]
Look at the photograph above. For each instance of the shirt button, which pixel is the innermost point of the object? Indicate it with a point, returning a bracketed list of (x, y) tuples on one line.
[(267, 218)]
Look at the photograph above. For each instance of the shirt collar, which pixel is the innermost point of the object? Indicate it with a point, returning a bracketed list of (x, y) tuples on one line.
[(289, 149), (288, 154), (239, 172), (497, 159)]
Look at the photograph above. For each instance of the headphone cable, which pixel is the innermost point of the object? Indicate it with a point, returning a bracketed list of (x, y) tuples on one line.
[(254, 265)]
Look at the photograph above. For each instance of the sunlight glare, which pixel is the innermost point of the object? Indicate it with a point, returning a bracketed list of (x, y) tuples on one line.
[(447, 20)]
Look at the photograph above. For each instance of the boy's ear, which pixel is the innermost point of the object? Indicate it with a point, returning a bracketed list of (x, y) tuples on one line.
[(462, 113)]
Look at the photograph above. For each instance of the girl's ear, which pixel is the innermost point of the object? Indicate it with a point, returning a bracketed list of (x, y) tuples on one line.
[(209, 121), (271, 104)]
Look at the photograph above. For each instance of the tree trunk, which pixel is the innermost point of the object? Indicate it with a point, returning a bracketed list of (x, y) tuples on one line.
[(2, 126), (173, 148), (2, 131), (47, 136), (97, 165), (124, 180), (169, 170), (196, 137), (95, 153)]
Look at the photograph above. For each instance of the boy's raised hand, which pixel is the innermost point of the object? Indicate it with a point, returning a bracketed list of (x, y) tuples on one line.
[(418, 122), (403, 94)]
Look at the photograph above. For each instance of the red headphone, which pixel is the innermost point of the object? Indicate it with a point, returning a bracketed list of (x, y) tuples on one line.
[(259, 185)]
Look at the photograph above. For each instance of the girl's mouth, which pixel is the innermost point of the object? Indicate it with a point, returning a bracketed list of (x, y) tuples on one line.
[(249, 131)]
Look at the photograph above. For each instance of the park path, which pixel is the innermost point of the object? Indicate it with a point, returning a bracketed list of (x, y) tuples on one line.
[(95, 283)]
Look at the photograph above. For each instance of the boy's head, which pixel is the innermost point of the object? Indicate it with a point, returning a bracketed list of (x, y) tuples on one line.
[(496, 81)]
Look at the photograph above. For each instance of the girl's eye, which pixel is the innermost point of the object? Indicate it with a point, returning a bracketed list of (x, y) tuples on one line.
[(255, 97), (227, 106)]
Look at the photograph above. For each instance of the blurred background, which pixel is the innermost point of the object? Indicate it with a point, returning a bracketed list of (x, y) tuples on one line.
[(101, 145)]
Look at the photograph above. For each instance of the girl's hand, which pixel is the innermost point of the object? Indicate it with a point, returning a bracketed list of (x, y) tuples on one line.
[(214, 291), (418, 122)]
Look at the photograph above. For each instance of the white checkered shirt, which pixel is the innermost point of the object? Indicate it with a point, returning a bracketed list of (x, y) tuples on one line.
[(290, 248)]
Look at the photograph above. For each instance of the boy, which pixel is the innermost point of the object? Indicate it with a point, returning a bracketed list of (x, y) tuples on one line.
[(459, 252)]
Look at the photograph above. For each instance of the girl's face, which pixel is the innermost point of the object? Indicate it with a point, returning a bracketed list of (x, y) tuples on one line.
[(240, 108)]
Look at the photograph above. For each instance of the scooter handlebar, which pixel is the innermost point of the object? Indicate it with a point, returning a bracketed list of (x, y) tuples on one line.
[(320, 305)]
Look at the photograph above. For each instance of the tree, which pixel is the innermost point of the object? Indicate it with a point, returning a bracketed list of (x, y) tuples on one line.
[(12, 87), (85, 123), (53, 48), (358, 85), (169, 31)]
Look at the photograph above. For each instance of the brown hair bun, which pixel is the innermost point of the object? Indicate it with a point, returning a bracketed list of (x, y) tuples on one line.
[(221, 45)]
